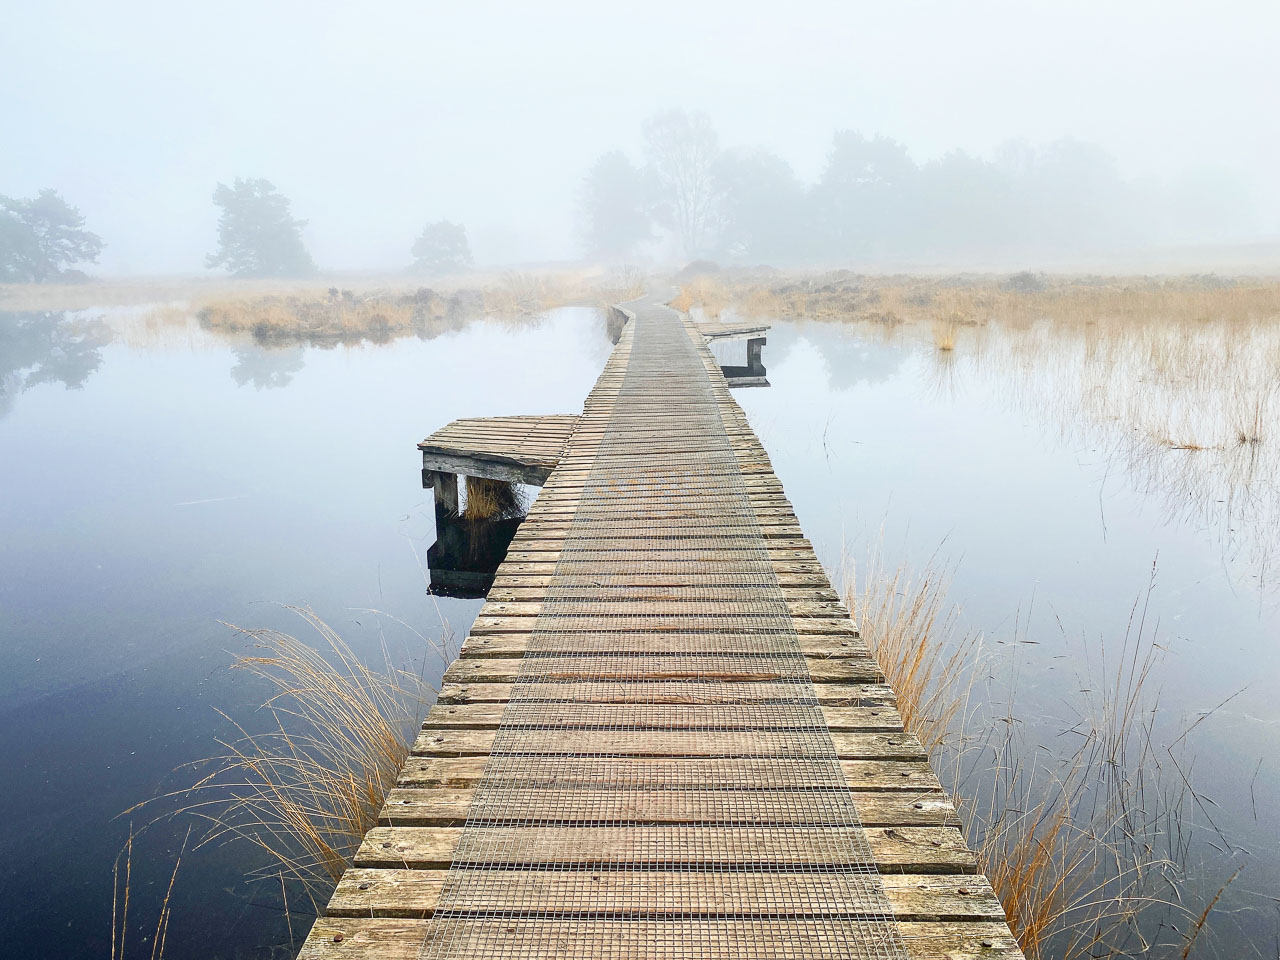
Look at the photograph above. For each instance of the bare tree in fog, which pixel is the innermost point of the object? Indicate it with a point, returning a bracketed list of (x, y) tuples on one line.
[(442, 247), (762, 208), (41, 237), (257, 235), (614, 208), (873, 204), (682, 149), (865, 195)]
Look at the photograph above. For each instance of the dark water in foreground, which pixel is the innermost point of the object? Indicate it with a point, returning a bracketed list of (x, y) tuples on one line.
[(153, 484)]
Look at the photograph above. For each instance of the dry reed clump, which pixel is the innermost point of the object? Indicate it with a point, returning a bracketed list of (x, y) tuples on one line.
[(705, 295), (492, 500), (343, 316), (518, 294), (905, 621), (944, 333), (337, 315), (1084, 849), (1081, 300), (306, 789)]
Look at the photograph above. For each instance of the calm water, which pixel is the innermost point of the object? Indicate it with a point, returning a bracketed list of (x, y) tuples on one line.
[(157, 482)]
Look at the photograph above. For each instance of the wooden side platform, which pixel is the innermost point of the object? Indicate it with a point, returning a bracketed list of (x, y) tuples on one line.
[(732, 331), (753, 373), (518, 449), (942, 907)]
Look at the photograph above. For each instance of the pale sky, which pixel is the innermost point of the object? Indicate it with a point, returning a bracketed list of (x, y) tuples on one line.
[(377, 118)]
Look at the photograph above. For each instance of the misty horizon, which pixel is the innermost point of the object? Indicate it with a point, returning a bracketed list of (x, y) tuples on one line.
[(376, 125)]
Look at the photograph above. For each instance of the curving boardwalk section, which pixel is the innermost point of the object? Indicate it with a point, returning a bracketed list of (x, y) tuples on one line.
[(664, 737)]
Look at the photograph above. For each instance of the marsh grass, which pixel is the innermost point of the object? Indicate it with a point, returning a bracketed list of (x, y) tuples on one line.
[(306, 785), (906, 620), (492, 500), (1175, 380), (121, 895), (1084, 844), (307, 789), (944, 333)]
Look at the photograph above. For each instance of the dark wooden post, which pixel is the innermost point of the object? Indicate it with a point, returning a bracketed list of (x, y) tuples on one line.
[(755, 363), (445, 488)]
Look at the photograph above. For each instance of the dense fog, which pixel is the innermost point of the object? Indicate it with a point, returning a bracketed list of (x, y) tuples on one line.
[(909, 134)]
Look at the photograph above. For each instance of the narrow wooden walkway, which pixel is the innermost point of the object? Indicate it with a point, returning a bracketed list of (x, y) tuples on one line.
[(664, 737)]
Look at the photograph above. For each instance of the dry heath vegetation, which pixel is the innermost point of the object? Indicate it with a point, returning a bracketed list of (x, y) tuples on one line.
[(373, 308)]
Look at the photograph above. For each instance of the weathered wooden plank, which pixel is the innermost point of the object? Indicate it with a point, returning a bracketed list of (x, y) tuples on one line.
[(879, 718), (450, 742), (512, 644), (351, 938), (821, 670), (619, 691), (403, 893), (448, 806), (674, 623), (895, 849), (913, 775)]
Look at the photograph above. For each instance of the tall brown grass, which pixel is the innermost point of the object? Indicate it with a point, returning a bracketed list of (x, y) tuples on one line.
[(492, 499), (121, 895), (1082, 846), (844, 296), (905, 620), (306, 789)]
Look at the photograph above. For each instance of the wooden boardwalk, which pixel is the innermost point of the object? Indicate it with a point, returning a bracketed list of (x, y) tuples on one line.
[(664, 736)]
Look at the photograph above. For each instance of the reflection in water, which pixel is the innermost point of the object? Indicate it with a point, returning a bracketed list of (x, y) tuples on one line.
[(1052, 531), (266, 368), (472, 542), (45, 347), (463, 560), (852, 362)]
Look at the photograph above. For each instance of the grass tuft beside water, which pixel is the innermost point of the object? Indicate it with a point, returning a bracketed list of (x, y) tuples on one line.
[(1086, 847)]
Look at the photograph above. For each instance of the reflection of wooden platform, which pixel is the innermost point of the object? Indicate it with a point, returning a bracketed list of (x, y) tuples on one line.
[(519, 449)]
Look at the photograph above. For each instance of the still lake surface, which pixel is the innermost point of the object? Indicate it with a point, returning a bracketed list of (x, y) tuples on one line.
[(158, 481)]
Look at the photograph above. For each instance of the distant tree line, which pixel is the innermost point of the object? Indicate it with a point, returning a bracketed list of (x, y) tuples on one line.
[(43, 237), (873, 202)]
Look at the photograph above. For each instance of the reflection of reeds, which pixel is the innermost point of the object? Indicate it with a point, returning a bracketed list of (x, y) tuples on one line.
[(1076, 846)]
